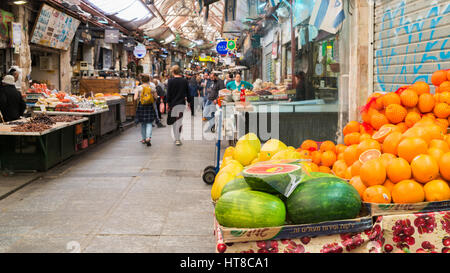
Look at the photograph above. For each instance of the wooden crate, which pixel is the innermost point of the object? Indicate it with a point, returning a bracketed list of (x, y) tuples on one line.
[(105, 86)]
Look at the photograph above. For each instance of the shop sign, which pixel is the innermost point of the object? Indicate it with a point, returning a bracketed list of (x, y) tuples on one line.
[(128, 44), (112, 36), (231, 45), (206, 59), (16, 34), (54, 28), (140, 51), (5, 19), (222, 48)]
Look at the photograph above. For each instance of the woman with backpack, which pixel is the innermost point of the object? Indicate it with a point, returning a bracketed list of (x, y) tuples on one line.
[(145, 112)]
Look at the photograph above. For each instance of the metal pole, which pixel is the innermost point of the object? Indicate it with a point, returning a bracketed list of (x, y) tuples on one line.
[(293, 48)]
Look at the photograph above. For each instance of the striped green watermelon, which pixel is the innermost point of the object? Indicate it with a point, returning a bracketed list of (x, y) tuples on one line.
[(250, 209), (323, 199), (313, 175), (235, 184)]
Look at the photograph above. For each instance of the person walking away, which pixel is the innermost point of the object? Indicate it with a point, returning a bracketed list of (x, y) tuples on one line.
[(212, 95), (145, 113), (177, 94), (12, 104), (193, 94), (206, 83), (157, 103), (238, 83)]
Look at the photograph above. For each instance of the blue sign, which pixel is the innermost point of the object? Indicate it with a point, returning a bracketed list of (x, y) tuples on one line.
[(222, 48)]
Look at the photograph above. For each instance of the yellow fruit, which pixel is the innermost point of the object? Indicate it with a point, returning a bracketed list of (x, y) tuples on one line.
[(253, 139), (220, 181), (270, 148), (436, 190), (228, 152), (286, 154), (233, 167), (244, 152)]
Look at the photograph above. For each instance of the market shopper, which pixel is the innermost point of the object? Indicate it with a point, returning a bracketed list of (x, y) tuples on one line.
[(193, 94), (238, 83), (302, 90), (157, 102), (145, 113), (12, 104), (177, 94), (206, 83), (16, 72), (212, 95)]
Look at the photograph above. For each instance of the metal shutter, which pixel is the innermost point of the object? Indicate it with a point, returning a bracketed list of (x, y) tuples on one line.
[(411, 41)]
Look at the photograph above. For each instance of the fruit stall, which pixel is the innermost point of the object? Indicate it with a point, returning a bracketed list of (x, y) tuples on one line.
[(384, 189), (40, 142)]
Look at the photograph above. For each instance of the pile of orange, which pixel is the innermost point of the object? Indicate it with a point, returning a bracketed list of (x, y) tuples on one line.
[(401, 151)]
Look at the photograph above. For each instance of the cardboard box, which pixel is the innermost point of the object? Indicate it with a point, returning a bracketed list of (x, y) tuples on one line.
[(234, 235), (394, 209)]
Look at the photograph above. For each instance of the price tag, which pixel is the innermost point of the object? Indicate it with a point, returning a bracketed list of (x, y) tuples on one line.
[(43, 109)]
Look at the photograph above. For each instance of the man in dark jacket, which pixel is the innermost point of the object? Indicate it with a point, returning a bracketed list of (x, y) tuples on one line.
[(193, 93), (212, 93), (12, 104)]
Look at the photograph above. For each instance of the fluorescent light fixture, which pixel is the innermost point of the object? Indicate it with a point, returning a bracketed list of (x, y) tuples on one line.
[(20, 2)]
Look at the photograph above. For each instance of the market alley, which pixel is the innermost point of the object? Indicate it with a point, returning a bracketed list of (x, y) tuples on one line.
[(119, 197)]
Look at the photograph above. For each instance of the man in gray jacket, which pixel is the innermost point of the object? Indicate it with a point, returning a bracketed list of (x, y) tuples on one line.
[(212, 93)]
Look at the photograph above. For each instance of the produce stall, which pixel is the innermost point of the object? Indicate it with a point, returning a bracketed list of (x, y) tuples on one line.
[(39, 143), (391, 173)]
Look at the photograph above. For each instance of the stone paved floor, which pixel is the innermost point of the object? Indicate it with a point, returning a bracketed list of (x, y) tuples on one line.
[(121, 196)]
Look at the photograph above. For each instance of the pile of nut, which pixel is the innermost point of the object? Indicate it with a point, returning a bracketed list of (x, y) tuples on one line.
[(31, 127), (65, 118)]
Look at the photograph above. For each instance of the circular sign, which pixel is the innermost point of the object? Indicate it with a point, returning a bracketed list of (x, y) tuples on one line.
[(222, 48), (140, 51), (231, 45)]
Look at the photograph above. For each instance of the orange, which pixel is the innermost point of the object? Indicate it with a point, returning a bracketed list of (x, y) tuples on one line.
[(351, 127), (328, 146), (411, 147), (351, 154), (324, 169), (340, 156), (436, 190), (328, 158), (436, 153), (377, 120), (424, 168), (444, 87), (391, 98), (448, 74), (373, 172), (421, 88), (378, 105), (305, 154), (444, 166), (314, 167), (402, 127), (366, 129), (377, 194), (441, 110), (369, 155), (413, 109), (356, 166), (398, 170), (408, 191), (425, 130), (309, 145), (412, 118), (339, 168), (364, 136), (447, 139), (389, 185), (316, 157), (368, 144), (443, 123), (409, 98), (367, 115), (348, 173), (391, 142), (437, 97), (438, 77), (426, 103), (381, 134), (440, 144), (352, 138), (444, 97), (340, 148), (358, 185), (395, 113), (386, 158)]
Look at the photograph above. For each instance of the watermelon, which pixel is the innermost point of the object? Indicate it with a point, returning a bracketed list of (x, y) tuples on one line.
[(250, 209), (235, 184), (273, 178), (313, 175), (323, 199)]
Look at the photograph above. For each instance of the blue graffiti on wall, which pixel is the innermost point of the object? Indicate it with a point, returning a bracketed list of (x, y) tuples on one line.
[(388, 57)]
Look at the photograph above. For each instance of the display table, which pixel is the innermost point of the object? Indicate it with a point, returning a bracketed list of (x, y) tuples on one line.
[(297, 121), (37, 150), (428, 232)]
